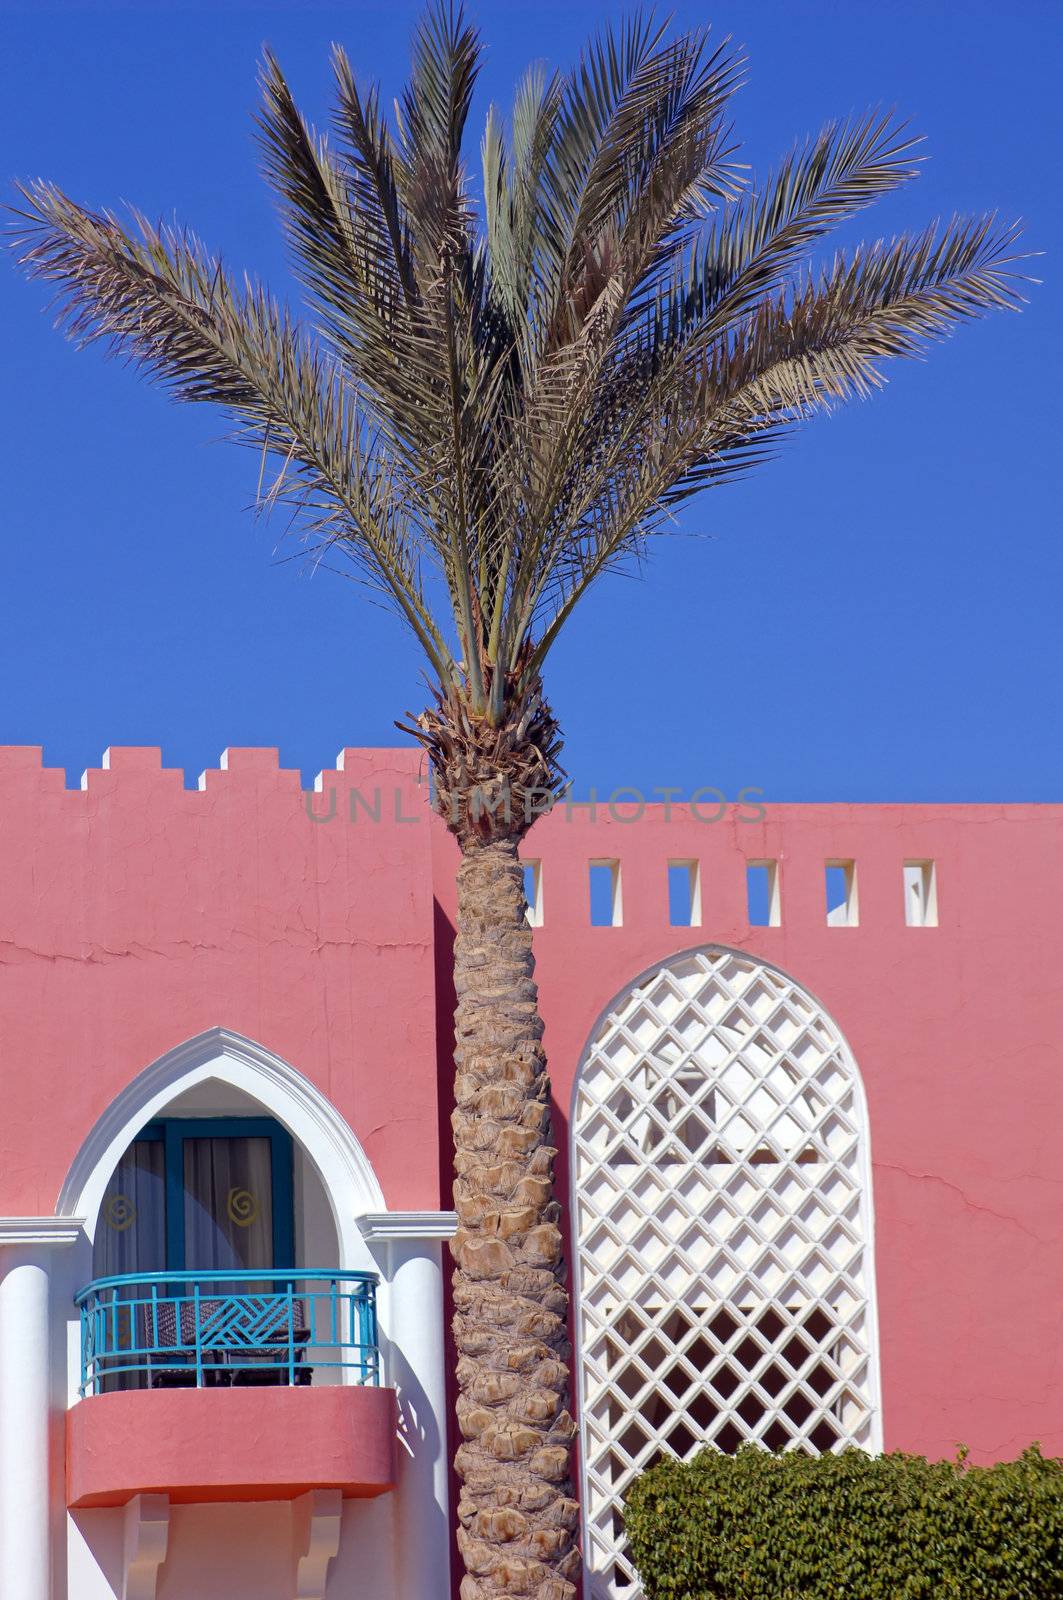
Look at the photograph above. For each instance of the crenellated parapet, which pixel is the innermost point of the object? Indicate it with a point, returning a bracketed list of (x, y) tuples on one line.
[(353, 766)]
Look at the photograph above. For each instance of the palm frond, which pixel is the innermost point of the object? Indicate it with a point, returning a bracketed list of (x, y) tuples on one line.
[(428, 164), (515, 214), (752, 247), (157, 298), (808, 350), (350, 257), (373, 191), (639, 149)]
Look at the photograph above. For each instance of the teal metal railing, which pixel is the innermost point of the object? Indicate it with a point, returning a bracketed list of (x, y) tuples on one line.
[(215, 1329)]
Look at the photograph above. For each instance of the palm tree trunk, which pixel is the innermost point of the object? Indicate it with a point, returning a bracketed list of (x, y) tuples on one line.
[(517, 1516)]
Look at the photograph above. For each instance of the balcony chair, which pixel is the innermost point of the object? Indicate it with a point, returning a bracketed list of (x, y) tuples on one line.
[(258, 1325)]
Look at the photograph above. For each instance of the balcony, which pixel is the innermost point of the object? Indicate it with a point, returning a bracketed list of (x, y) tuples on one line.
[(236, 1385)]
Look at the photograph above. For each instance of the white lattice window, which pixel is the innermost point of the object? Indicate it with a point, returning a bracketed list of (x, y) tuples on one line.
[(724, 1276)]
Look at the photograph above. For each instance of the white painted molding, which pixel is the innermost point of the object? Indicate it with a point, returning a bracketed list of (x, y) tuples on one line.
[(228, 1057), (40, 1230), (410, 1225), (146, 1538), (317, 1519)]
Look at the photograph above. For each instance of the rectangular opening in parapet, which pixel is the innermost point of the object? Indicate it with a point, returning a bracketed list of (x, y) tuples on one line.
[(920, 894), (607, 906), (840, 882), (533, 892), (762, 894), (684, 894)]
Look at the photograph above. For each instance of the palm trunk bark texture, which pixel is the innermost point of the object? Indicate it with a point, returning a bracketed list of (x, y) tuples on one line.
[(518, 1520)]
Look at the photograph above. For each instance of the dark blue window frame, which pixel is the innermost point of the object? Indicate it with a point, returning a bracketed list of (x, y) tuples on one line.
[(171, 1132)]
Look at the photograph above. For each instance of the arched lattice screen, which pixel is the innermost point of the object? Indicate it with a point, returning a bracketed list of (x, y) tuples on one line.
[(723, 1220)]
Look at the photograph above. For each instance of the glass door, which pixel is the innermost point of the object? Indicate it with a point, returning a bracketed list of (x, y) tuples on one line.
[(228, 1203), (197, 1194), (229, 1195)]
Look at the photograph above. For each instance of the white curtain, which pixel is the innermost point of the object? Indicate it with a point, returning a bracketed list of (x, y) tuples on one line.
[(228, 1204), (131, 1232), (130, 1239)]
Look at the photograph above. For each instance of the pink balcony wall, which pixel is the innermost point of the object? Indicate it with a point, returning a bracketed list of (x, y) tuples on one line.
[(204, 1445)]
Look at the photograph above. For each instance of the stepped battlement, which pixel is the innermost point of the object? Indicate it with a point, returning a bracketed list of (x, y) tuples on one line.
[(237, 761), (614, 860)]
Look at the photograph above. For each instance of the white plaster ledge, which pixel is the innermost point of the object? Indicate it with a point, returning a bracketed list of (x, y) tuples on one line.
[(41, 1230), (410, 1225), (317, 1519), (147, 1537)]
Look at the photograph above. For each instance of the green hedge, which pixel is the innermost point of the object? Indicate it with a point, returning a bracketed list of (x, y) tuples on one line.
[(848, 1527)]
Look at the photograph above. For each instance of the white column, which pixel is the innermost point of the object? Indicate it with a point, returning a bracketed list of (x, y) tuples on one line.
[(409, 1246), (25, 1561), (26, 1395)]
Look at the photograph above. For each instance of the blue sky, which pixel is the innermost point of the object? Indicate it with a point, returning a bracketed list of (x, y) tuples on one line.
[(875, 616)]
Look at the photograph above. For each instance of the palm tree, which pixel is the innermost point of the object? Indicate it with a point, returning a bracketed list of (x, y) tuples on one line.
[(499, 402)]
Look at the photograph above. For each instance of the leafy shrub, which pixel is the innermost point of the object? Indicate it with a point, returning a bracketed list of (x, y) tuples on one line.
[(848, 1527)]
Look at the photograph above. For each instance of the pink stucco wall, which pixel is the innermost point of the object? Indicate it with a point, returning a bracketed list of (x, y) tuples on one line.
[(135, 914), (958, 1033)]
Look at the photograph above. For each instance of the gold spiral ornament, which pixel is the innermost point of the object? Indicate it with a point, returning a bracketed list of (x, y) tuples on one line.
[(119, 1212), (242, 1207)]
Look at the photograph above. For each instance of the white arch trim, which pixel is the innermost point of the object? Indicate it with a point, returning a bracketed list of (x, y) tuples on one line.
[(222, 1056)]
